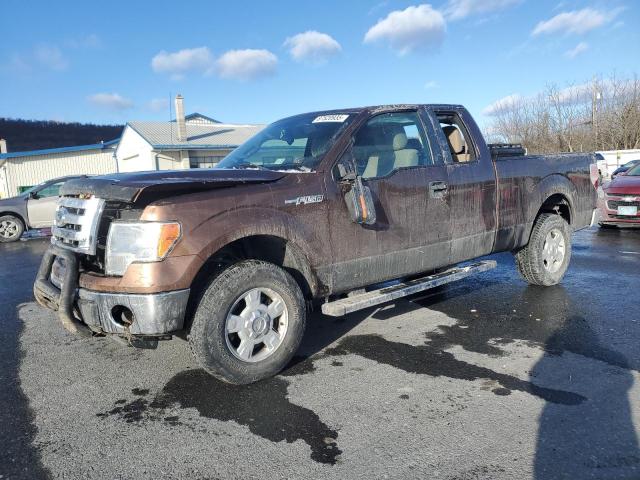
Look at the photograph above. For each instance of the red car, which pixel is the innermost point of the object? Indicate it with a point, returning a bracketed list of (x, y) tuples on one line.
[(621, 202)]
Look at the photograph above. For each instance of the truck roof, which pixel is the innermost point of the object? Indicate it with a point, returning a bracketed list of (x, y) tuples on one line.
[(383, 108)]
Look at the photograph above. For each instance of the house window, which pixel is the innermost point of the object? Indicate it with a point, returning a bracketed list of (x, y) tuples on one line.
[(205, 162)]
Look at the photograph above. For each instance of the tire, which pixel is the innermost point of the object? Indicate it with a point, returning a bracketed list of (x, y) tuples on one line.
[(542, 265), (229, 315), (11, 228)]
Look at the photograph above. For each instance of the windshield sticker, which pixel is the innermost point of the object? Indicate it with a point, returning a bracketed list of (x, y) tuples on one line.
[(305, 200), (330, 118)]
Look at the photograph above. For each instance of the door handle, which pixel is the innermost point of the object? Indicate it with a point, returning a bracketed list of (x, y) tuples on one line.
[(438, 189)]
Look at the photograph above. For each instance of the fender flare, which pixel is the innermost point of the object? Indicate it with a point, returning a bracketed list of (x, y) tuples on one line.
[(269, 222), (555, 184)]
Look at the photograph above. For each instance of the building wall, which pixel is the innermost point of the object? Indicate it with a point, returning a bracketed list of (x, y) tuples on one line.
[(206, 158), (615, 158), (134, 154), (4, 192), (31, 170), (172, 160)]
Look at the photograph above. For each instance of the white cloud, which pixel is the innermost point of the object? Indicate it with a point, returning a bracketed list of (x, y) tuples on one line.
[(459, 9), (18, 63), (416, 28), (431, 84), (246, 65), (50, 56), (179, 63), (312, 47), (505, 104), (575, 22), (110, 101), (86, 41), (575, 94), (577, 50), (158, 104)]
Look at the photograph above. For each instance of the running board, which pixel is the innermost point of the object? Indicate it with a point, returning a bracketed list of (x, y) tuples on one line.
[(343, 306)]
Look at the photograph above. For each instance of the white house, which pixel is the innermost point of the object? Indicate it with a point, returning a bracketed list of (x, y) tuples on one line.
[(192, 141)]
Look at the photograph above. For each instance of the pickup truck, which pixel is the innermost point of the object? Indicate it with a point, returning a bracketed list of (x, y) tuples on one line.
[(318, 207), (33, 208)]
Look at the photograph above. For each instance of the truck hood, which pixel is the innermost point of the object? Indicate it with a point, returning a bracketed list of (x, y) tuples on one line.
[(130, 187)]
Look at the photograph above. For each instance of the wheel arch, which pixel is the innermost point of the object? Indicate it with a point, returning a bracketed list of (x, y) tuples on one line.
[(553, 194), (272, 248), (15, 214)]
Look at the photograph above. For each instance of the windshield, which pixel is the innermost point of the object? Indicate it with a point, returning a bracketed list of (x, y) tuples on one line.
[(631, 164), (634, 172), (295, 143)]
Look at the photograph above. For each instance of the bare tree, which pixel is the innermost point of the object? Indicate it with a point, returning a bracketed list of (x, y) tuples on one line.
[(603, 114)]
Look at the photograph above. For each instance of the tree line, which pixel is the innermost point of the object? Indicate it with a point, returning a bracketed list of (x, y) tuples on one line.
[(24, 135), (603, 114)]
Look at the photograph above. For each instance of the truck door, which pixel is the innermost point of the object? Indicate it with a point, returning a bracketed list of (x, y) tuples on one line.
[(472, 185), (393, 155), (41, 207)]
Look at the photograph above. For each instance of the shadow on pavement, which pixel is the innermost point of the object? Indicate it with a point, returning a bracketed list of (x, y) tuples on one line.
[(600, 441), (18, 456), (592, 439)]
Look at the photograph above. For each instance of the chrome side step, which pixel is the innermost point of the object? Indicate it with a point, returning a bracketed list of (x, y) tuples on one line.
[(343, 306)]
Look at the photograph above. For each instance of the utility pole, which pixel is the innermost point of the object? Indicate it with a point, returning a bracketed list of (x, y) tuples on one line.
[(595, 96)]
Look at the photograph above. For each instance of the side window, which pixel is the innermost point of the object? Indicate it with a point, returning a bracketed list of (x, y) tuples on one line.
[(50, 191), (457, 137), (388, 142)]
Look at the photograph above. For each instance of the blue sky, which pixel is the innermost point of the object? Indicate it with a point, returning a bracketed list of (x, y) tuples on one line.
[(255, 61)]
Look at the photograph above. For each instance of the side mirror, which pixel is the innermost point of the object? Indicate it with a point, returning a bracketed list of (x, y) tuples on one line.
[(356, 195), (360, 202), (34, 195)]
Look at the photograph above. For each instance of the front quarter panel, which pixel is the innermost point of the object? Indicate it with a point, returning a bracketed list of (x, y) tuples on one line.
[(293, 209), (16, 206)]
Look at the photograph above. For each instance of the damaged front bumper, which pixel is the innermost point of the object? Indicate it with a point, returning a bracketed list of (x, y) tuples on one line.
[(122, 314)]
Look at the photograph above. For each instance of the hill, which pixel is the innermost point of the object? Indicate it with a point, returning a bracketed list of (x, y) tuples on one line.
[(38, 134)]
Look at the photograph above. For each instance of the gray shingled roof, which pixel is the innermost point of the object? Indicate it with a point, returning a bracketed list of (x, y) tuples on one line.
[(164, 135)]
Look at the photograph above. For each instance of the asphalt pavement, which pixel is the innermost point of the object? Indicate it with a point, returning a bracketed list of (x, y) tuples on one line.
[(488, 378)]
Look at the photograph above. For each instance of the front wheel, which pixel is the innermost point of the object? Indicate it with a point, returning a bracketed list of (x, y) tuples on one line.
[(11, 228), (546, 257), (249, 322)]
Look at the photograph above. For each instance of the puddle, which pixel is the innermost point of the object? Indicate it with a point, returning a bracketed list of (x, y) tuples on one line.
[(431, 361)]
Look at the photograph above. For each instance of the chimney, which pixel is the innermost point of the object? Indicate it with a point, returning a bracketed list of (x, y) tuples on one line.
[(3, 145), (182, 127)]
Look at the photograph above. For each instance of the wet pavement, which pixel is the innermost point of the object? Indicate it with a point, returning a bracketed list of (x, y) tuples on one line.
[(486, 378)]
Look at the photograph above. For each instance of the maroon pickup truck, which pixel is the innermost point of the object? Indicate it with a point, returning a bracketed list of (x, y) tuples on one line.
[(315, 210)]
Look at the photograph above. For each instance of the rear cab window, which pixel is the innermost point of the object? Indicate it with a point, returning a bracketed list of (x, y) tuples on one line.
[(458, 140)]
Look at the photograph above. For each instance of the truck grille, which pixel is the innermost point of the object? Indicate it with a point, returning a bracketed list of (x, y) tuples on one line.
[(614, 204), (76, 223)]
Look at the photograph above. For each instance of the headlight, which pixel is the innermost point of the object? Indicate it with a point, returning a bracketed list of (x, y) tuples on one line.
[(130, 242)]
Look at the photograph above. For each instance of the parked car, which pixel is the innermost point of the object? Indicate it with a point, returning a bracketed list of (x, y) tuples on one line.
[(620, 202), (311, 208), (33, 208), (624, 168)]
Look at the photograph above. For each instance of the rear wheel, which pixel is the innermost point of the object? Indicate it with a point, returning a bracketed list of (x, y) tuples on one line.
[(11, 228), (545, 259), (249, 322)]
